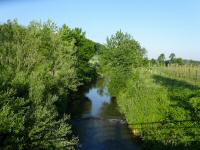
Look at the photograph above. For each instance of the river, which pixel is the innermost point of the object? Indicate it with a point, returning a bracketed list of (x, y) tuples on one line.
[(98, 123)]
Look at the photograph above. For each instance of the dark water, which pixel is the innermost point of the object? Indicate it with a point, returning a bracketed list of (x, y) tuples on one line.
[(98, 123)]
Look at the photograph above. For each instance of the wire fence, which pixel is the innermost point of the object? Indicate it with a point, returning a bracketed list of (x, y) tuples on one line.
[(180, 123), (186, 72), (170, 129), (176, 130)]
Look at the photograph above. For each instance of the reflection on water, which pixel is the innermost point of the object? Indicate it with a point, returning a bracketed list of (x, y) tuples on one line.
[(98, 98), (98, 123)]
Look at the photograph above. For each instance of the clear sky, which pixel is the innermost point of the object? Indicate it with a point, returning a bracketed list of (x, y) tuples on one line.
[(161, 26)]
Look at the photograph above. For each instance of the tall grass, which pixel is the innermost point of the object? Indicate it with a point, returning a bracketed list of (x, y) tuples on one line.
[(187, 72), (150, 95)]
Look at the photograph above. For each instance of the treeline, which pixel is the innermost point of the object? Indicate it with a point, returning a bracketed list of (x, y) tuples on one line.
[(162, 60), (145, 97), (40, 65)]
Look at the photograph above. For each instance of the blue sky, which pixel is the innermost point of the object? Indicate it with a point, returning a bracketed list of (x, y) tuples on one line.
[(161, 26)]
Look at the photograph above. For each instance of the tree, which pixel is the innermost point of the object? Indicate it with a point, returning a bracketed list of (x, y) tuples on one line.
[(179, 61), (85, 50), (161, 58), (122, 54), (153, 61), (172, 56), (39, 70)]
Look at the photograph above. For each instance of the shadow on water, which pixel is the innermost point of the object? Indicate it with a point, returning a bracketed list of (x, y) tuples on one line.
[(97, 121)]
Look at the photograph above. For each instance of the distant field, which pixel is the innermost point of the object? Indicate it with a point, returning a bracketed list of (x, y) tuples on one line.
[(188, 73)]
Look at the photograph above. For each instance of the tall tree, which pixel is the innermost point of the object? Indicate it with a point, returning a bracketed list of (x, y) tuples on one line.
[(161, 58), (120, 57), (172, 56), (123, 52)]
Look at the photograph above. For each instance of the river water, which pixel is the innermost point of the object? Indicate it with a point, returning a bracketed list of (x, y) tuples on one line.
[(98, 123)]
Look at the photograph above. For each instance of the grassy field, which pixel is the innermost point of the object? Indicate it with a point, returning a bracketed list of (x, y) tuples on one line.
[(163, 107), (188, 73)]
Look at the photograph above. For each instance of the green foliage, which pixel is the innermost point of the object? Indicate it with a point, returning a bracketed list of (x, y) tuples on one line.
[(41, 65), (117, 60), (142, 100), (178, 61), (152, 104), (122, 53), (161, 59), (86, 49), (172, 57)]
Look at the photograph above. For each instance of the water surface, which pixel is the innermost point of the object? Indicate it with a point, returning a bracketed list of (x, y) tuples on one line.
[(98, 123)]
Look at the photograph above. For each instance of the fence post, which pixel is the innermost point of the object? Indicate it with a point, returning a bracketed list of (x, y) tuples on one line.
[(196, 77), (189, 73)]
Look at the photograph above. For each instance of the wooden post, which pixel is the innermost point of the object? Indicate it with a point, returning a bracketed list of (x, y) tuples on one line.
[(189, 73), (196, 76)]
